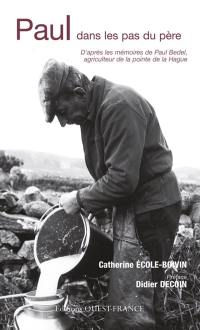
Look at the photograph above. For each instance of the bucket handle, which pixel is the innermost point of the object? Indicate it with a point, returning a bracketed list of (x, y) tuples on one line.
[(88, 218), (48, 211), (38, 224), (17, 312), (83, 244), (82, 211)]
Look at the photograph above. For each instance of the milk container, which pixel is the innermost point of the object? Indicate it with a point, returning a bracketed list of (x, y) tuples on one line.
[(64, 244), (42, 313)]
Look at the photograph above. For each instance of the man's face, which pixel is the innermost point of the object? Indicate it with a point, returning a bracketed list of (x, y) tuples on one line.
[(71, 109)]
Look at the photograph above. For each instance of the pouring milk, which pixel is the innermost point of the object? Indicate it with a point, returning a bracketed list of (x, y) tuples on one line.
[(51, 270)]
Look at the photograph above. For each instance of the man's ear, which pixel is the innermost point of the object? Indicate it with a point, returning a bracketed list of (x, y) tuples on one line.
[(79, 91)]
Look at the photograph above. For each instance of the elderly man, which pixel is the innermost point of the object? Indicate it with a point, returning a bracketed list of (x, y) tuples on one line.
[(128, 157)]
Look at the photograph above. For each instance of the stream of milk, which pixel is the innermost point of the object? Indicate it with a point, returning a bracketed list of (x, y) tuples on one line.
[(51, 270)]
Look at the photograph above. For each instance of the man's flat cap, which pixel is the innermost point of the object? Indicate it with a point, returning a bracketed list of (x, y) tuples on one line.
[(51, 82)]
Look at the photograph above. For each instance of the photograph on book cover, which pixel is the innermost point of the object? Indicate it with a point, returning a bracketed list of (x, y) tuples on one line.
[(99, 165)]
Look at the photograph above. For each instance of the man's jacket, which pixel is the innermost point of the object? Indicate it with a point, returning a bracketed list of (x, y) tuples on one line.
[(125, 152)]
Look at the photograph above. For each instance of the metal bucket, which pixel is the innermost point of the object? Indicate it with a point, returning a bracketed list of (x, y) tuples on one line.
[(61, 234)]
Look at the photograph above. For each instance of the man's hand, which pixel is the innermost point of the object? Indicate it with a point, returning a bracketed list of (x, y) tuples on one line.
[(69, 202)]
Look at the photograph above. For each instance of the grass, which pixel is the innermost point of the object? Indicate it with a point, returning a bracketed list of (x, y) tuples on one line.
[(7, 309), (182, 307)]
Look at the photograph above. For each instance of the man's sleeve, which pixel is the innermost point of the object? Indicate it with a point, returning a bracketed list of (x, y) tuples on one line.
[(123, 131)]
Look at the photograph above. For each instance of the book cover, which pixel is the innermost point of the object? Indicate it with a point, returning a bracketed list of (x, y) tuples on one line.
[(149, 46)]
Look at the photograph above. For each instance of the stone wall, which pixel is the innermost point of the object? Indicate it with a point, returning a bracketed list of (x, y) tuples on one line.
[(18, 269), (19, 218)]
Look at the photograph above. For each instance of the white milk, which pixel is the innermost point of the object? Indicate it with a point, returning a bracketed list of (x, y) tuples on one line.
[(51, 271)]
